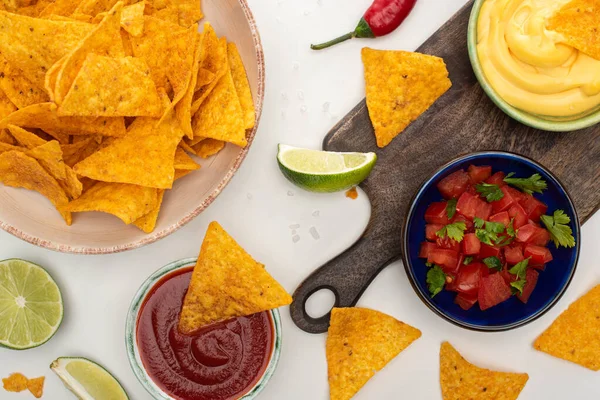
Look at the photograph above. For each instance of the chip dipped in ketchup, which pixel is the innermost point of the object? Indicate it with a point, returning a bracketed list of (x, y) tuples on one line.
[(222, 361)]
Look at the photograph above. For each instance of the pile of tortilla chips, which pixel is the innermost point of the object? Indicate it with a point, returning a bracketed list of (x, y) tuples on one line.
[(227, 283), (103, 102), (18, 382)]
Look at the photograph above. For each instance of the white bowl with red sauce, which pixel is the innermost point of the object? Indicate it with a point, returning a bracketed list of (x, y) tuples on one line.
[(229, 360)]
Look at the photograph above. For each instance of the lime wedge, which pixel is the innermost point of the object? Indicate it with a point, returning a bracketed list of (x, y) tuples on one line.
[(88, 380), (31, 307), (324, 171)]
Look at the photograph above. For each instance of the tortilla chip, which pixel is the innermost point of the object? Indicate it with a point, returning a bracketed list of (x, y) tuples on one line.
[(227, 283), (360, 342), (147, 223), (51, 77), (33, 45), (132, 19), (104, 40), (579, 22), (183, 145), (94, 7), (36, 386), (183, 109), (36, 9), (573, 336), (9, 147), (6, 138), (49, 155), (204, 78), (242, 86), (208, 147), (16, 382), (72, 186), (20, 170), (221, 117), (127, 202), (400, 87), (72, 153), (127, 46), (182, 12), (180, 173), (6, 106), (214, 52), (462, 380), (60, 7), (112, 87), (20, 90), (26, 138), (144, 157), (184, 162), (44, 116)]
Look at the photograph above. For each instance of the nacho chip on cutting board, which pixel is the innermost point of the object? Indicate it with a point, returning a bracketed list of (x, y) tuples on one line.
[(227, 283), (360, 342), (462, 380), (19, 170), (36, 386), (20, 90), (16, 382), (104, 40), (242, 86), (579, 22), (208, 147), (44, 116), (112, 87), (127, 202), (183, 161), (574, 335), (147, 223), (33, 45), (400, 86)]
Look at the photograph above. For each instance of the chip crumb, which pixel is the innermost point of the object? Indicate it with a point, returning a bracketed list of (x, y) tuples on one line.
[(296, 238), (316, 213), (290, 193), (352, 193), (16, 382), (249, 196), (314, 233), (36, 386)]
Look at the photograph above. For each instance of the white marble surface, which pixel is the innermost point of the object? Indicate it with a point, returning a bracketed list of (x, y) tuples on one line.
[(258, 207)]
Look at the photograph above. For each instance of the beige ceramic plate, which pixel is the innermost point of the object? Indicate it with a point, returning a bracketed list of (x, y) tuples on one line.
[(31, 217)]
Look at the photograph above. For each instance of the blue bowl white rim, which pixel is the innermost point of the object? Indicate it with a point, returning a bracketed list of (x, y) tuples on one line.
[(133, 353), (426, 299)]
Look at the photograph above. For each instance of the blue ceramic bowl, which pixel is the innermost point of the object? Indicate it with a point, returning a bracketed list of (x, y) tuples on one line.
[(552, 283)]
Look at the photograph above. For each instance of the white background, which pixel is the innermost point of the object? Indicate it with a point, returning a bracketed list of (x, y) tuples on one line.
[(258, 207)]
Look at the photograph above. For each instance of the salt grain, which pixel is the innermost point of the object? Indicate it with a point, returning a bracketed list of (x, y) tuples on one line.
[(296, 238), (300, 95), (249, 196), (313, 232), (290, 193), (303, 109), (315, 213), (296, 65), (325, 106)]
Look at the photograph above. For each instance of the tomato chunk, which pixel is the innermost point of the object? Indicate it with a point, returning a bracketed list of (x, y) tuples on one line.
[(470, 244), (458, 217), (465, 301), (533, 234), (436, 213), (531, 281), (488, 251), (430, 231), (454, 184), (479, 174), (469, 277), (533, 208), (505, 202), (493, 290), (425, 248), (472, 206), (497, 179), (447, 243), (516, 194), (445, 258), (507, 276), (539, 255), (513, 254), (502, 217), (519, 215)]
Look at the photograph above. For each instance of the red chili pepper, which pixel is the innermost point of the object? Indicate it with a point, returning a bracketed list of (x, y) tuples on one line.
[(383, 17)]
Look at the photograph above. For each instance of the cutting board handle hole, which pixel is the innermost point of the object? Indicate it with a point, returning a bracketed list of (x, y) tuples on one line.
[(320, 302)]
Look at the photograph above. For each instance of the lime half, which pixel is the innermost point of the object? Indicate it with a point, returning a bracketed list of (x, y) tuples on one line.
[(324, 171), (88, 380), (31, 307)]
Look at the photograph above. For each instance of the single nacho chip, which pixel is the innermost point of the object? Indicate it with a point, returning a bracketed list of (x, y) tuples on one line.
[(214, 52), (242, 86), (132, 19), (95, 7), (182, 12), (147, 223), (72, 186), (579, 22), (9, 147), (208, 147), (220, 116), (127, 202), (33, 45), (127, 46), (400, 86), (183, 161), (6, 137), (183, 145), (60, 7), (44, 116), (205, 77), (25, 138), (20, 90), (6, 106), (36, 386), (49, 155), (51, 78), (183, 109), (104, 40), (72, 153), (360, 342), (34, 10), (20, 170), (227, 283), (112, 87), (16, 382), (462, 380), (573, 336), (180, 173)]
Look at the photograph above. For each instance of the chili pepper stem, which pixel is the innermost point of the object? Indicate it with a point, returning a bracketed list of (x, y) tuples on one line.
[(340, 39)]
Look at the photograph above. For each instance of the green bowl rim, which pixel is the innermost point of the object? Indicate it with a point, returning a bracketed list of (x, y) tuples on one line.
[(131, 343), (532, 120)]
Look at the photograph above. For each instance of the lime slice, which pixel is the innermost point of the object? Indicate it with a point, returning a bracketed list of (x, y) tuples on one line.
[(31, 307), (88, 380), (324, 171)]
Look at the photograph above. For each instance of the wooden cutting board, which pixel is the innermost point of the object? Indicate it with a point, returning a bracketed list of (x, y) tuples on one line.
[(462, 121)]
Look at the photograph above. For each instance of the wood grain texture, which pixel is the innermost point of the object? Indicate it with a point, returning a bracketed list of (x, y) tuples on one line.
[(462, 121)]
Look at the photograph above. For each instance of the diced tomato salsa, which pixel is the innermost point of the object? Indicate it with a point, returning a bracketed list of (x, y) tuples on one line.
[(490, 245)]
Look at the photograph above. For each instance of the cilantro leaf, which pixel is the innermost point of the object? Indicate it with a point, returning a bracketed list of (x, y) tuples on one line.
[(491, 192), (494, 227), (487, 232), (455, 231), (520, 268), (493, 262), (451, 208), (534, 183), (428, 264), (486, 237), (503, 241), (478, 222), (519, 285), (468, 260), (436, 279), (560, 232), (510, 229)]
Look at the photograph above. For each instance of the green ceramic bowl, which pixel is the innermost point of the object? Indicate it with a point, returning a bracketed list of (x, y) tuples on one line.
[(132, 348), (546, 123)]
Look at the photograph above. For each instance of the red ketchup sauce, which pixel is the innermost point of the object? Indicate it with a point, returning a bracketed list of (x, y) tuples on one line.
[(223, 361)]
